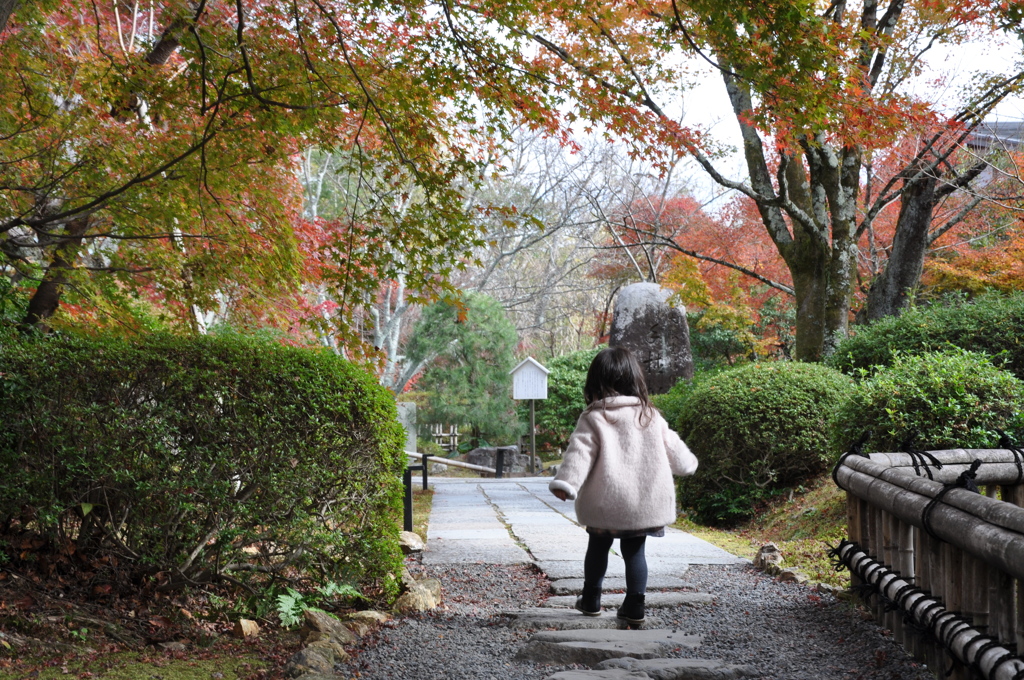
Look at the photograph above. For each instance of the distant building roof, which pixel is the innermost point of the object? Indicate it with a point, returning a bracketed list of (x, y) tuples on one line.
[(997, 134)]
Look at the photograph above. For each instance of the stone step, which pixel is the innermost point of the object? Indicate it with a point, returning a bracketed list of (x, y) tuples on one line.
[(591, 647), (574, 586), (653, 600), (568, 619), (659, 669)]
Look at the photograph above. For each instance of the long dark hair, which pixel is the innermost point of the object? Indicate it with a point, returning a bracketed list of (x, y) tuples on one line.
[(616, 372)]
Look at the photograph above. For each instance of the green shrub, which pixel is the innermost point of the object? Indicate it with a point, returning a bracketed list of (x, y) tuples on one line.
[(671, 403), (991, 323), (952, 399), (429, 447), (556, 416), (756, 428), (199, 456)]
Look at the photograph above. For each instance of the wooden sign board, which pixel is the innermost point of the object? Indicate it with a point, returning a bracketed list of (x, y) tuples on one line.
[(529, 380)]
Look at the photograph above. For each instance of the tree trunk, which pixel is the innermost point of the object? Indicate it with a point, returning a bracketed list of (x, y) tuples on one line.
[(812, 223), (888, 295), (7, 8), (46, 299)]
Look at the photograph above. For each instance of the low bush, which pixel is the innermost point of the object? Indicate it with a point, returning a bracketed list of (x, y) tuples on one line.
[(671, 403), (755, 429), (990, 323), (950, 399), (199, 457)]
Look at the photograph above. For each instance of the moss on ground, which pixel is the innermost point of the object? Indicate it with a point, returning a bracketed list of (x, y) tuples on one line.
[(142, 666), (422, 501), (804, 524)]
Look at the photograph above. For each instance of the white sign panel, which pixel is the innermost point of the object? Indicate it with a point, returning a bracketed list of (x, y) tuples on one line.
[(529, 380)]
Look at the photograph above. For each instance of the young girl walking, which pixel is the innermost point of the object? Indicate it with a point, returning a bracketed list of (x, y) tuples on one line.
[(618, 468)]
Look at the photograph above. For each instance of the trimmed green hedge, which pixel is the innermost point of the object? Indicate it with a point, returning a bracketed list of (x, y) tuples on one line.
[(950, 399), (991, 323), (204, 456), (754, 429)]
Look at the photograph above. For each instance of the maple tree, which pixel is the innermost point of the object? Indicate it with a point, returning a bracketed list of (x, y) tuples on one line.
[(815, 88), (157, 144)]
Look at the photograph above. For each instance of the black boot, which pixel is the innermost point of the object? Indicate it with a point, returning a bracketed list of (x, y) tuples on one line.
[(589, 603), (632, 609)]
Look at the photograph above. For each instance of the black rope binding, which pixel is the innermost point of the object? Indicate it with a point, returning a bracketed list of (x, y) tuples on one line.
[(964, 481), (918, 458), (947, 624), (1018, 455), (835, 556), (856, 449)]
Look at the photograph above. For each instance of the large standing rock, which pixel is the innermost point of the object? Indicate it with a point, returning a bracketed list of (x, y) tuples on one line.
[(656, 333), (487, 456)]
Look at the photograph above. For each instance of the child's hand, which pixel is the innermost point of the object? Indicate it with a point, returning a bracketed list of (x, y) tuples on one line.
[(561, 495)]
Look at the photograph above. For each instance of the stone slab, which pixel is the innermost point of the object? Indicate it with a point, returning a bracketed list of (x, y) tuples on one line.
[(592, 646), (470, 534), (574, 586), (680, 669), (655, 600), (610, 674), (659, 669), (473, 552), (567, 619), (660, 635), (562, 569), (586, 653)]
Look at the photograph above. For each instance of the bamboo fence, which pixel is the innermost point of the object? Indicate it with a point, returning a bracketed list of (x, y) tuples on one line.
[(945, 563)]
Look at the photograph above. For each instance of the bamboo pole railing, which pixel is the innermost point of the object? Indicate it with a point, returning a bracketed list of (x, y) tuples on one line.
[(946, 564), (455, 463)]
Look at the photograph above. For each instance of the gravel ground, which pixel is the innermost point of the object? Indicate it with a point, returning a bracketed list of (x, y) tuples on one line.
[(788, 631)]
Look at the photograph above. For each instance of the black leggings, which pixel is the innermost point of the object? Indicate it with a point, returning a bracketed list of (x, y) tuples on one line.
[(595, 564)]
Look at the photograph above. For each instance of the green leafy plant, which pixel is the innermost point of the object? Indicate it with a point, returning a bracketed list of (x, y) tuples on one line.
[(990, 323), (756, 428), (556, 416), (952, 398), (206, 454), (291, 603), (671, 403)]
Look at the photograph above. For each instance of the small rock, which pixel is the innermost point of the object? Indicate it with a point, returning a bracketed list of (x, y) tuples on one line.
[(793, 576), (433, 586), (828, 589), (363, 622), (329, 649), (307, 661), (407, 579), (320, 626), (246, 629), (175, 646), (410, 542), (369, 616), (438, 468), (418, 598), (768, 558), (358, 628)]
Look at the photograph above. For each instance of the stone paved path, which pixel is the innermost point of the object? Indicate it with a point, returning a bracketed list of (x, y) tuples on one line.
[(518, 521)]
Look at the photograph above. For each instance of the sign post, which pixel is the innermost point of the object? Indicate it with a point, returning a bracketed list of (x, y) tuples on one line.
[(530, 381)]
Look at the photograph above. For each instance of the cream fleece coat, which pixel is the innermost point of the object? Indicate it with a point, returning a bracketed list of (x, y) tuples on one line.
[(619, 471)]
